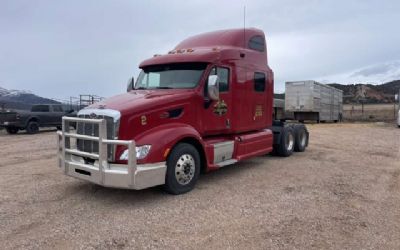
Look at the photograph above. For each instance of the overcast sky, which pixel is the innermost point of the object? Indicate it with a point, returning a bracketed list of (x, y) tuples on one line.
[(66, 48)]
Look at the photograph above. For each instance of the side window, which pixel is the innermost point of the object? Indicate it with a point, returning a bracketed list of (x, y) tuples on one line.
[(257, 43), (259, 82), (40, 108), (223, 76), (57, 108)]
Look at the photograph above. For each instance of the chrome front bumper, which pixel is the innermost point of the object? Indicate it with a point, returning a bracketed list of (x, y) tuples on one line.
[(130, 176)]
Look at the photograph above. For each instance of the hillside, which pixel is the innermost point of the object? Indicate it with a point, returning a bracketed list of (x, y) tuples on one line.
[(368, 93), (16, 99)]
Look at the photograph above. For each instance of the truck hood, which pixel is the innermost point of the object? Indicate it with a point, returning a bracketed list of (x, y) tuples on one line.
[(137, 101)]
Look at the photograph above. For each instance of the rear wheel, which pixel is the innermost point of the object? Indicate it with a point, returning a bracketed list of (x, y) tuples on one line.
[(183, 169), (32, 128), (12, 130), (286, 145), (301, 138)]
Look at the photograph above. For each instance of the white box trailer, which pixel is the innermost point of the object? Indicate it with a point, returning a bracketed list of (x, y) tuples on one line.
[(311, 100)]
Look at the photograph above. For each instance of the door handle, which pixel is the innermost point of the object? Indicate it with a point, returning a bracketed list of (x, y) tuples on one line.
[(228, 123)]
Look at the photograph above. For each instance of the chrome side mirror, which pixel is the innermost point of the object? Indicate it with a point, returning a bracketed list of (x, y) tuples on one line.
[(131, 84), (213, 87)]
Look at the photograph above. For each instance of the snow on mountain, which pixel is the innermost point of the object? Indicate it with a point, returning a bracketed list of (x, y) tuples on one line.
[(372, 74), (20, 99), (13, 92)]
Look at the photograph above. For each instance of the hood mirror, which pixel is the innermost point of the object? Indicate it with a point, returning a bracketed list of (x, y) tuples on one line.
[(213, 87), (131, 84)]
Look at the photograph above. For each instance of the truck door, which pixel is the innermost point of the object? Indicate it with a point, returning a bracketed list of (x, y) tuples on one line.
[(56, 115), (43, 113), (259, 99), (217, 114)]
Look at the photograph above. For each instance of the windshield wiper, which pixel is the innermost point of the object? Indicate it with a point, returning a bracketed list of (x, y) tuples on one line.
[(163, 87), (140, 88)]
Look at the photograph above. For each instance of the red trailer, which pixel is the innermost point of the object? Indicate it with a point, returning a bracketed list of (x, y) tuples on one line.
[(205, 104)]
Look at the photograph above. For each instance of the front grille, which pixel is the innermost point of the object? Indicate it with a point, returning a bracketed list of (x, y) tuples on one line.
[(93, 130)]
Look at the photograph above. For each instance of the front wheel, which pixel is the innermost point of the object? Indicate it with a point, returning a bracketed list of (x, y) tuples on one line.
[(183, 169), (32, 128)]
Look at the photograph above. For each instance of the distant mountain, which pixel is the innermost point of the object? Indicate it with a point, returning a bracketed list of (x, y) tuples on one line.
[(368, 93), (17, 99)]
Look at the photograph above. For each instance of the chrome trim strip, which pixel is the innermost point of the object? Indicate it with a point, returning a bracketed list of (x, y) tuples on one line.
[(116, 115)]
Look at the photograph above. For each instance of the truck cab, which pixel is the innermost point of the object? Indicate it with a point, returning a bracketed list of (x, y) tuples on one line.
[(204, 105)]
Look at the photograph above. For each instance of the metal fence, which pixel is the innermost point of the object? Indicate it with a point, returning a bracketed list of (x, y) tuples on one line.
[(370, 112)]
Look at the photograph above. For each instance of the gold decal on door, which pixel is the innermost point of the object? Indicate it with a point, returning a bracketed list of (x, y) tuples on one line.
[(220, 108), (258, 111)]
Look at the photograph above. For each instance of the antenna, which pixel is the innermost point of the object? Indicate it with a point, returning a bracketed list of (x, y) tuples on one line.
[(244, 26)]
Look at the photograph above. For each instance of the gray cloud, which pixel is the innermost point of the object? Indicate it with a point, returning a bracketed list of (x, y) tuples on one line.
[(59, 49), (377, 69)]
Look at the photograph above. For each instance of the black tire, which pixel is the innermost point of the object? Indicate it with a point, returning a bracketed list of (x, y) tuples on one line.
[(287, 141), (58, 127), (32, 128), (12, 130), (175, 177), (301, 138)]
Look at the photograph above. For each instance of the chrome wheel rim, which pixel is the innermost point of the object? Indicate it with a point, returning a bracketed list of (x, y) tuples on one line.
[(184, 169), (289, 142)]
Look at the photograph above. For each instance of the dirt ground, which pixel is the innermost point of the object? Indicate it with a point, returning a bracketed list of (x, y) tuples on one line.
[(342, 193)]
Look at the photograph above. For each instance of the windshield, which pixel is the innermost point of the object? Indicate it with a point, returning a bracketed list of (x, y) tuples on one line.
[(171, 76)]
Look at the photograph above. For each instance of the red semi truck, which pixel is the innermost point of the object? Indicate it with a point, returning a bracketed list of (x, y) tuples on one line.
[(206, 104)]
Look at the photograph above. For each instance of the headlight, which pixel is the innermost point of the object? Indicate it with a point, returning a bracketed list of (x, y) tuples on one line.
[(141, 152)]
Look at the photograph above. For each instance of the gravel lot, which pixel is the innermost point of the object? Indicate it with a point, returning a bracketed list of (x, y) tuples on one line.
[(342, 193)]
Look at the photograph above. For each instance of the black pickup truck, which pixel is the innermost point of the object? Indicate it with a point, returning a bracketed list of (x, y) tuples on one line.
[(43, 115)]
